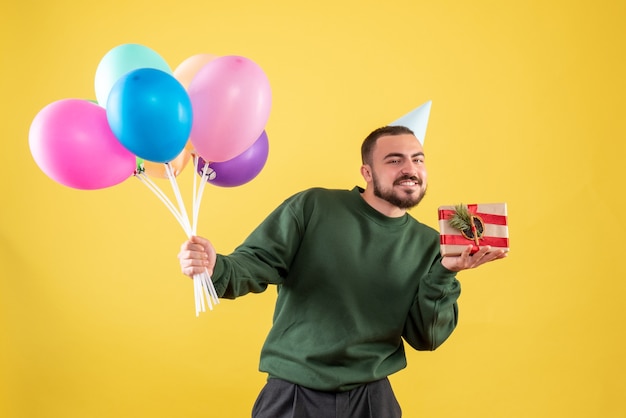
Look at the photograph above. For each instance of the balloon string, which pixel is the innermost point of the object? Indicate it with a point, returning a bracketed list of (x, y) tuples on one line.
[(207, 293), (209, 290), (203, 286), (196, 296), (198, 198), (159, 193), (181, 203), (202, 283), (200, 296), (209, 284), (194, 194)]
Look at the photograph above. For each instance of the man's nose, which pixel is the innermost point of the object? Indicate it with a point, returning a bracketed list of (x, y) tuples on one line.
[(408, 168)]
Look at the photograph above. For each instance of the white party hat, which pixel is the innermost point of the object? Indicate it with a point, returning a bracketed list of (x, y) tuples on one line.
[(416, 120)]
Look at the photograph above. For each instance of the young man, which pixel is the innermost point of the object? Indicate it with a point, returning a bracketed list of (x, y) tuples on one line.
[(356, 274)]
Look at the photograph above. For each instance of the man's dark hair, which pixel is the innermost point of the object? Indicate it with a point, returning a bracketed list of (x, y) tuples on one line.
[(368, 144)]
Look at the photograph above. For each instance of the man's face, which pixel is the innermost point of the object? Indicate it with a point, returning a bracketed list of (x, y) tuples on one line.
[(398, 170)]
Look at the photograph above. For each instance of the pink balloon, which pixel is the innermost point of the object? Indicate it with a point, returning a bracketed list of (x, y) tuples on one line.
[(72, 143), (231, 100)]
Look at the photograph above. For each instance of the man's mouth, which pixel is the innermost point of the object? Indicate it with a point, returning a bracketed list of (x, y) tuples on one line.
[(408, 182)]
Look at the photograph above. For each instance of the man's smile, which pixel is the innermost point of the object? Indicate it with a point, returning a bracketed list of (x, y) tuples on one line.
[(408, 182)]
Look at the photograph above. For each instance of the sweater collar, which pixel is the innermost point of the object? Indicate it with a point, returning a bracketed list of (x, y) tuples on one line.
[(375, 215)]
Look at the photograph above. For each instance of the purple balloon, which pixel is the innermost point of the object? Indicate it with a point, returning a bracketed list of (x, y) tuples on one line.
[(240, 169)]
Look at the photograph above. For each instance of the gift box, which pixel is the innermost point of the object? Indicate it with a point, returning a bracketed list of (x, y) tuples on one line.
[(478, 224)]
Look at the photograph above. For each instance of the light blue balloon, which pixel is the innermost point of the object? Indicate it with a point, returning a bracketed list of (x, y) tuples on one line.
[(150, 113), (121, 60)]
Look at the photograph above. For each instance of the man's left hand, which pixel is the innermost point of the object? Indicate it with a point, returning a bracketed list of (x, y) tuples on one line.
[(466, 261)]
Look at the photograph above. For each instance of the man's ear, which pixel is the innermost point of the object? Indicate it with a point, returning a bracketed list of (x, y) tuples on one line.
[(366, 172)]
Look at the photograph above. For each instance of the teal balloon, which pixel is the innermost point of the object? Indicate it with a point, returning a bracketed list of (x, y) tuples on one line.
[(150, 113), (121, 60)]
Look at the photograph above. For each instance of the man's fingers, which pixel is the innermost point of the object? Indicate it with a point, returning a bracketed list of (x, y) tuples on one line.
[(190, 246), (193, 266), (489, 255)]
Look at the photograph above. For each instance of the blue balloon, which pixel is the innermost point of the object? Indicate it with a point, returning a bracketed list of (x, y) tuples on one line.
[(150, 113)]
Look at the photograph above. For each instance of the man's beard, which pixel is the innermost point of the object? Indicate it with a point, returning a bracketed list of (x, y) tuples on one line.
[(407, 201)]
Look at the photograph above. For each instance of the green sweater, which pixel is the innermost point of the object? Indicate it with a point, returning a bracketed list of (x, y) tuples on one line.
[(352, 283)]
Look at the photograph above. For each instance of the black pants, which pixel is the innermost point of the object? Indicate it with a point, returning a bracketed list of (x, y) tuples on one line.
[(281, 399)]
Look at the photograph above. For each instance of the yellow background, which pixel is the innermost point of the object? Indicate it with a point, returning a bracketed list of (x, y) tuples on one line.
[(528, 108)]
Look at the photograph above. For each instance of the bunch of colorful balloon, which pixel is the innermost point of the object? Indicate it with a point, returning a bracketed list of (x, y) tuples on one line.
[(151, 121)]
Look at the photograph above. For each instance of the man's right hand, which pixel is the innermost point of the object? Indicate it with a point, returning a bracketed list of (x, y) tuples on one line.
[(196, 256)]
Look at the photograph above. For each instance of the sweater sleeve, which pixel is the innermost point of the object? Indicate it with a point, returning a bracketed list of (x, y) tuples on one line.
[(434, 313), (263, 258)]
